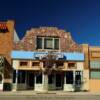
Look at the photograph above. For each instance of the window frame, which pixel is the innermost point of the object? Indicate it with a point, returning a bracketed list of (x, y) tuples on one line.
[(72, 67), (43, 44), (94, 67), (35, 62), (96, 71), (23, 62)]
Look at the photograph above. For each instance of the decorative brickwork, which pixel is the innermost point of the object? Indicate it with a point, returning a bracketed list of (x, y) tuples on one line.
[(29, 41)]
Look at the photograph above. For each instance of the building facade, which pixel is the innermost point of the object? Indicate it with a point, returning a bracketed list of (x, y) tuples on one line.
[(6, 47), (47, 58)]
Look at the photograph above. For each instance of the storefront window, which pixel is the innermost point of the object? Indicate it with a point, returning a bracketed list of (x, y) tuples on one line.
[(39, 78), (21, 76), (50, 78), (69, 77)]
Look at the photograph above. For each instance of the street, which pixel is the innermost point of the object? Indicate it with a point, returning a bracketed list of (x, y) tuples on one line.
[(50, 97)]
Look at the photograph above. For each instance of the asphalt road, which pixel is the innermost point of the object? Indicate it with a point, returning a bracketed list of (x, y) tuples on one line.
[(50, 97)]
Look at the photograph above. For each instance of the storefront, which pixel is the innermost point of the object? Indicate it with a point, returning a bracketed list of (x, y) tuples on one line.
[(35, 71)]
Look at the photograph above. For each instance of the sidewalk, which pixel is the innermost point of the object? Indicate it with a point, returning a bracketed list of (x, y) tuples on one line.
[(30, 93)]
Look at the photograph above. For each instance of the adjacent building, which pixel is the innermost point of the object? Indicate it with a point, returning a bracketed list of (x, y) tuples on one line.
[(47, 58)]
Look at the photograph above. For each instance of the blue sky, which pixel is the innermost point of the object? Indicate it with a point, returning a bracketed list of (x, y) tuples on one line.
[(80, 17)]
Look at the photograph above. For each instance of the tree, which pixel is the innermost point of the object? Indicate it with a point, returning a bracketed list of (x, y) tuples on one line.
[(49, 62)]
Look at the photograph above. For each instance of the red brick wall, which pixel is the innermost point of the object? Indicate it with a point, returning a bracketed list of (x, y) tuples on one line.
[(6, 41), (6, 46)]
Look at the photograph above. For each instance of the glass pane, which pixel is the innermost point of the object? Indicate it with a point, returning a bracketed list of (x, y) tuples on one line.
[(56, 44), (21, 76), (95, 74), (50, 78), (58, 80), (48, 43), (39, 43), (95, 64)]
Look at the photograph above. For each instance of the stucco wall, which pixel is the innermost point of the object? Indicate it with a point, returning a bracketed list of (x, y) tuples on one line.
[(15, 64), (85, 85), (1, 86), (94, 85), (80, 65)]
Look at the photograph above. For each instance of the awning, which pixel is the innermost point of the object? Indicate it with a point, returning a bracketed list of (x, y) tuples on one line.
[(74, 56), (22, 55), (68, 56)]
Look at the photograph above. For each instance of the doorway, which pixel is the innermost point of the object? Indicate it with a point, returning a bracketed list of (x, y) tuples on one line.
[(30, 80), (78, 80), (69, 77), (59, 81)]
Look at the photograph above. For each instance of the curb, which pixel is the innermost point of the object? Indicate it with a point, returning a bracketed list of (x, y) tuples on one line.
[(32, 93)]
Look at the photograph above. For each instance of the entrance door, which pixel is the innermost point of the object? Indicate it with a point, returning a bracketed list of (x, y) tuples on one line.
[(78, 80), (69, 81), (59, 81), (69, 77), (30, 80)]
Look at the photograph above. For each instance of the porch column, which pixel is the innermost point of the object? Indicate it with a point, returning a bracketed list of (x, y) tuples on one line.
[(16, 80), (64, 85), (45, 82), (74, 78)]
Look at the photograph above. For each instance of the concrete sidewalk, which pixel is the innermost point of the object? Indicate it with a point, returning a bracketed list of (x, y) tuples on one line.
[(30, 93)]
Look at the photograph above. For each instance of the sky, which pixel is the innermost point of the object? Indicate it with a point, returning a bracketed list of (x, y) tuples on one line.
[(80, 17)]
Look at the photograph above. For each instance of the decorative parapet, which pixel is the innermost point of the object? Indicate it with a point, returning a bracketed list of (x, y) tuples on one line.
[(28, 42)]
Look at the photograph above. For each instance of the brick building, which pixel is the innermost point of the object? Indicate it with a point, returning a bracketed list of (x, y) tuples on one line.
[(47, 58), (7, 38)]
